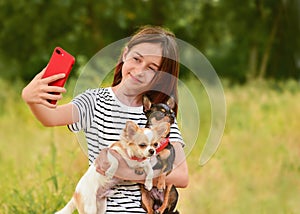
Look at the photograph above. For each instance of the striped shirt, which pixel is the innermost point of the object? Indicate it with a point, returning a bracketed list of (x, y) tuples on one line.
[(102, 117)]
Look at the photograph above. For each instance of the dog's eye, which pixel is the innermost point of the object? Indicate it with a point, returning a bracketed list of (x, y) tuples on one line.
[(143, 145), (155, 145)]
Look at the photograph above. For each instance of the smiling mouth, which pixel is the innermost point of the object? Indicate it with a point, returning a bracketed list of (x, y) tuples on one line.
[(135, 79)]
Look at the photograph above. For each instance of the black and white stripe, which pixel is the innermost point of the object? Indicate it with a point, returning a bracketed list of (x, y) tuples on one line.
[(102, 117)]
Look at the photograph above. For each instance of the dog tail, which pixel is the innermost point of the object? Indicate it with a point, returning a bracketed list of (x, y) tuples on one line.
[(69, 208)]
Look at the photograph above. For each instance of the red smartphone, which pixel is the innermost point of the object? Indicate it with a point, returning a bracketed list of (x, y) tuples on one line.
[(60, 62)]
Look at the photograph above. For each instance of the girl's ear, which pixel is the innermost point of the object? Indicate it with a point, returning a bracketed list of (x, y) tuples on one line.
[(125, 52)]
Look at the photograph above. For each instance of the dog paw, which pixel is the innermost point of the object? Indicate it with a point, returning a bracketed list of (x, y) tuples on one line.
[(160, 190), (161, 187), (148, 185), (109, 175), (156, 212)]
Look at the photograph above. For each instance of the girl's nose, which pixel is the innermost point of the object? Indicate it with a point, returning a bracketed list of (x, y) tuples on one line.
[(140, 69)]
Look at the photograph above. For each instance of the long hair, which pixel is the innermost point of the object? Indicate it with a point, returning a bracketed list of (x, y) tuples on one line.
[(164, 83)]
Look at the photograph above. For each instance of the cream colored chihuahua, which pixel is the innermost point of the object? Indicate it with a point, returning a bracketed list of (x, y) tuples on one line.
[(136, 146)]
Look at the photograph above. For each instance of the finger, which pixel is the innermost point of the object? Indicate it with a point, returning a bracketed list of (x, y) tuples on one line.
[(99, 170), (101, 162), (54, 78), (52, 96), (56, 89), (48, 104)]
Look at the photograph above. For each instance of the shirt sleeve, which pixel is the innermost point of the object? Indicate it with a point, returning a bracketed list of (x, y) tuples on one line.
[(85, 104), (175, 134)]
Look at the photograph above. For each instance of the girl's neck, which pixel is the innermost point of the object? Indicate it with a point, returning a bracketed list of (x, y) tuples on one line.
[(127, 98)]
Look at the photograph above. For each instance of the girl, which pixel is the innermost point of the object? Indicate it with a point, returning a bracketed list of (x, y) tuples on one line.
[(148, 65)]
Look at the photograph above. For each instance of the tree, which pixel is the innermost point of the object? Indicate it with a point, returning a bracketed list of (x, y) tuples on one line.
[(260, 32), (243, 41)]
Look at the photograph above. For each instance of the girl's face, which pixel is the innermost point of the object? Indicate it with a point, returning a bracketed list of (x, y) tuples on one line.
[(141, 63)]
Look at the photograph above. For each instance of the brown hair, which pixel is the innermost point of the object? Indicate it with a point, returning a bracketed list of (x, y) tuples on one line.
[(164, 84)]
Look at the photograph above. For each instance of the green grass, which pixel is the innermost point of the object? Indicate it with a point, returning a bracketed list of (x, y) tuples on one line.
[(38, 165), (255, 170)]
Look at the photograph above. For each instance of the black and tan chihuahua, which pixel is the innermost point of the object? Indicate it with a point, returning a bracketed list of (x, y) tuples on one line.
[(163, 198)]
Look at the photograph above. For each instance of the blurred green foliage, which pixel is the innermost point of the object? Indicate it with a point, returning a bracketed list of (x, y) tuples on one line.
[(243, 41)]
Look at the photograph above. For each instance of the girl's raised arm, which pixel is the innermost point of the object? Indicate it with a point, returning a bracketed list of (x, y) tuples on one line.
[(37, 93)]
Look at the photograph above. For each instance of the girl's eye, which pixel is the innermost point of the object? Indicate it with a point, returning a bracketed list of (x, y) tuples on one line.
[(136, 59), (139, 60), (152, 69)]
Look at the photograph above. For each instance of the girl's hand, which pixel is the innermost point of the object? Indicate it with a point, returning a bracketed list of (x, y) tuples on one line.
[(124, 172), (39, 92)]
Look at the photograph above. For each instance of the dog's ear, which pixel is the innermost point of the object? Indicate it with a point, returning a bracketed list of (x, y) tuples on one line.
[(146, 103), (162, 129), (171, 102), (130, 129)]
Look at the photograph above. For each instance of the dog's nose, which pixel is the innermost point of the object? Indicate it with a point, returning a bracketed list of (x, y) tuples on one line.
[(151, 151)]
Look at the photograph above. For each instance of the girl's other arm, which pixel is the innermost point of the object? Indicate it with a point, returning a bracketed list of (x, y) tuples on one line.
[(179, 175)]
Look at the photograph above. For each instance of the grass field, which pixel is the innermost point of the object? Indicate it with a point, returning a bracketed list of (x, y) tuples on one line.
[(255, 170)]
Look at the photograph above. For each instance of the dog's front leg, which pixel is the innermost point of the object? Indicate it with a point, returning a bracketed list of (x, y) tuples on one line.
[(149, 176), (166, 200), (114, 164), (161, 182), (147, 200)]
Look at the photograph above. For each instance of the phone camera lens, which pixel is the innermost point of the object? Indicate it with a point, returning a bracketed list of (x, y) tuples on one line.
[(58, 51)]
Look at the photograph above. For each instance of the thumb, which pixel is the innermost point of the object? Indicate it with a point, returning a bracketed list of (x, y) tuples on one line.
[(101, 162)]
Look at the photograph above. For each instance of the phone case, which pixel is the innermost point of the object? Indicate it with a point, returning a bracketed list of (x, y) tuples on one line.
[(60, 62)]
